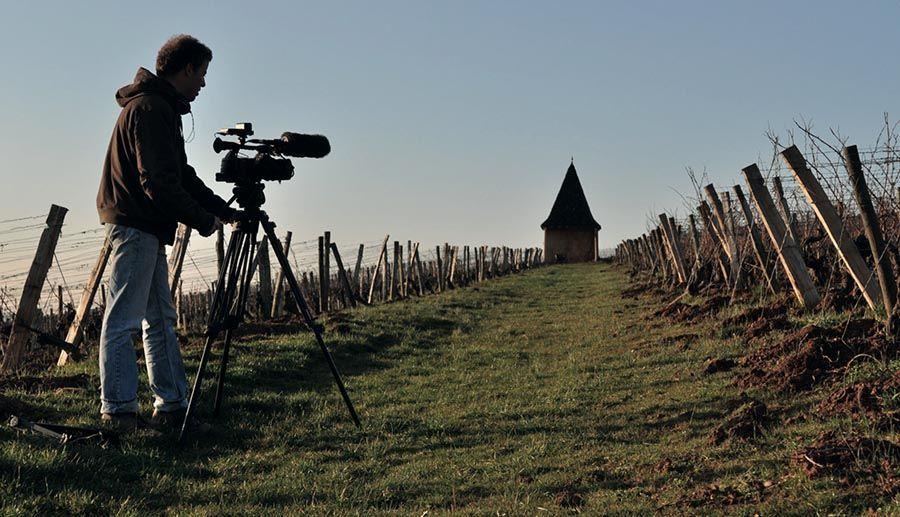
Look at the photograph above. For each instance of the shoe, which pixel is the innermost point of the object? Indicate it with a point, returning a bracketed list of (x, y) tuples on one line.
[(173, 420), (124, 422)]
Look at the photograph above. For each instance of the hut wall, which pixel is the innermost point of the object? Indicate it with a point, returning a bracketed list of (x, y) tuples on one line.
[(573, 245)]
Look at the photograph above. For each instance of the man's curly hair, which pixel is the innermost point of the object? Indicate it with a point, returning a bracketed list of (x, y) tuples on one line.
[(178, 51)]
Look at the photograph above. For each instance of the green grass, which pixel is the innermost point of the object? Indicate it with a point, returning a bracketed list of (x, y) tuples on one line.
[(542, 391)]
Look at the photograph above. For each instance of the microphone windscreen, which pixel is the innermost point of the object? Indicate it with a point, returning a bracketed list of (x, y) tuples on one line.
[(304, 146)]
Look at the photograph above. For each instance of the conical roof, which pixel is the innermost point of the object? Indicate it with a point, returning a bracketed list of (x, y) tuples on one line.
[(570, 210)]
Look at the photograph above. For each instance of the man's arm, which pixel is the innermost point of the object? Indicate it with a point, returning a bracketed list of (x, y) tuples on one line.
[(157, 162), (204, 195)]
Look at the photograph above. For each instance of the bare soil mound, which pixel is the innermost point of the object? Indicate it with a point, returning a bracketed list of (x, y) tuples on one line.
[(718, 365), (680, 312), (806, 357), (870, 399), (852, 459), (743, 424)]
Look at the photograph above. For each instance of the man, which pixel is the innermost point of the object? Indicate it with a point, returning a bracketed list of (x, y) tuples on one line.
[(147, 187)]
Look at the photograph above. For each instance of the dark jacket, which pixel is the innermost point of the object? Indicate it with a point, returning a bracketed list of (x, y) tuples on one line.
[(147, 183)]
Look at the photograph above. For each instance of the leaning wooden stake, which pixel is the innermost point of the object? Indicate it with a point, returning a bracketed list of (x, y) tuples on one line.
[(342, 273), (755, 238), (76, 329), (31, 293), (419, 273), (326, 277), (781, 200), (727, 238), (721, 257), (278, 297), (784, 245), (674, 248), (265, 278), (356, 283), (833, 225), (873, 233), (377, 268), (176, 256), (220, 247)]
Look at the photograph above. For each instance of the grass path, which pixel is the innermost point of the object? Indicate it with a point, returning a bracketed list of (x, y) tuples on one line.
[(542, 391)]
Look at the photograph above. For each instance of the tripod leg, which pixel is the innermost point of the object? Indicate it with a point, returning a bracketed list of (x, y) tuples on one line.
[(204, 358), (307, 315), (220, 385), (219, 314)]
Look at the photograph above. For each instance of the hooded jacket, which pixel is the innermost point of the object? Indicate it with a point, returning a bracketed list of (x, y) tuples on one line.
[(146, 182)]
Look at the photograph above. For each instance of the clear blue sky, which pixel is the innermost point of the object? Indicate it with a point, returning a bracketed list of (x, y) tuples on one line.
[(450, 121)]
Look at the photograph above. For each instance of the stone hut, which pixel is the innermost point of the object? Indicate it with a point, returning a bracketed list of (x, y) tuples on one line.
[(570, 232)]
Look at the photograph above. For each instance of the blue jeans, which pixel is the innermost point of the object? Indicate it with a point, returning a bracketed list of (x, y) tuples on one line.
[(139, 299)]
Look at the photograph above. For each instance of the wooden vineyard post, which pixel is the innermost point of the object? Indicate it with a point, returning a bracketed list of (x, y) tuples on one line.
[(784, 207), (410, 266), (644, 244), (306, 288), (220, 247), (265, 278), (278, 298), (418, 265), (676, 239), (392, 287), (377, 267), (873, 233), (729, 243), (180, 306), (467, 272), (356, 282), (695, 244), (385, 272), (342, 273), (662, 250), (784, 245), (76, 329), (440, 270), (176, 255), (478, 264), (833, 225), (674, 249), (326, 273), (755, 238), (721, 256), (321, 242), (453, 252), (59, 299), (31, 292)]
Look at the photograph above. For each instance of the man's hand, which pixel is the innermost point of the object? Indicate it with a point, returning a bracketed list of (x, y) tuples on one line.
[(215, 227), (233, 216)]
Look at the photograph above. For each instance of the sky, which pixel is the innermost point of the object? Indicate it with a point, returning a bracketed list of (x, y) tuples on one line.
[(455, 121)]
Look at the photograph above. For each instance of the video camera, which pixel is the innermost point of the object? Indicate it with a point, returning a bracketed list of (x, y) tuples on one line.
[(270, 162)]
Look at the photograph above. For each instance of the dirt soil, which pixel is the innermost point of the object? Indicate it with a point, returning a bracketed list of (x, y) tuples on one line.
[(718, 365), (864, 399), (806, 357), (743, 424), (680, 312), (642, 289), (852, 459)]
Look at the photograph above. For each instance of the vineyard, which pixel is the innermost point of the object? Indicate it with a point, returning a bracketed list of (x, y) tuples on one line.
[(63, 292), (802, 271)]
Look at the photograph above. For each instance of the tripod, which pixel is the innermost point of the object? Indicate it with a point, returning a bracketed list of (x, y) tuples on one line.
[(233, 288)]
